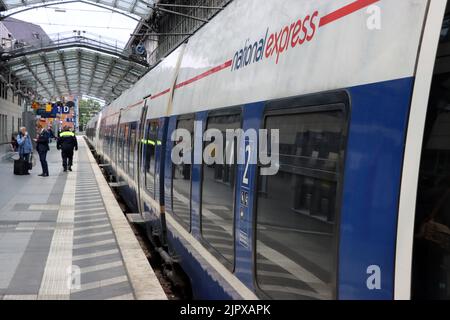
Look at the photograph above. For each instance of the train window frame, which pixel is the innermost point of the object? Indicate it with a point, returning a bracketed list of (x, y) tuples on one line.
[(132, 153), (128, 144), (185, 117), (121, 147), (111, 141), (228, 111), (147, 138), (124, 142), (306, 104)]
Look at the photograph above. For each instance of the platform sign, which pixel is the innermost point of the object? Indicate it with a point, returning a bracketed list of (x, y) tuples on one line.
[(44, 114), (60, 109)]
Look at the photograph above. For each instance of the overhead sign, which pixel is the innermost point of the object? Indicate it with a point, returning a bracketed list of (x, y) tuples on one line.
[(59, 109), (44, 114)]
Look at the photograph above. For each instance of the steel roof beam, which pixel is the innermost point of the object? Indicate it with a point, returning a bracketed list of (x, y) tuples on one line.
[(94, 70), (95, 4), (51, 76), (157, 8), (136, 72), (26, 63), (133, 6), (79, 71), (107, 75), (122, 78), (170, 5), (61, 59), (79, 46)]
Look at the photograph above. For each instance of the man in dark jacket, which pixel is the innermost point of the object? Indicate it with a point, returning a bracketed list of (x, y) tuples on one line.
[(42, 149), (52, 135), (67, 142)]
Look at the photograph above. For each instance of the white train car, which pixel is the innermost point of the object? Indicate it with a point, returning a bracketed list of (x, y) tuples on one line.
[(357, 209)]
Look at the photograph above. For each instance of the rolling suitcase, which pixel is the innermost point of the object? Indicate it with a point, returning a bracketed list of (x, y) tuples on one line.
[(21, 167)]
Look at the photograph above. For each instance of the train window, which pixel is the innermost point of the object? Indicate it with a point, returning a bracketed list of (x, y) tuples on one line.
[(108, 139), (181, 182), (126, 148), (132, 148), (111, 140), (151, 140), (218, 190), (118, 145), (296, 242), (121, 145), (431, 254)]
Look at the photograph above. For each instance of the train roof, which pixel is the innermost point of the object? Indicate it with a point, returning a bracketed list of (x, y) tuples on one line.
[(252, 52)]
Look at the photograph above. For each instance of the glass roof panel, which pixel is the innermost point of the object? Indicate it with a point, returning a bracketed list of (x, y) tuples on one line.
[(135, 7), (97, 73)]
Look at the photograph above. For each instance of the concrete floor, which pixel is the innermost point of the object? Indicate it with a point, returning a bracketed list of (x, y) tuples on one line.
[(57, 240)]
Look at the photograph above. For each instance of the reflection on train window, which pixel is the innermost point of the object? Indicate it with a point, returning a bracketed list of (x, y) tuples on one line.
[(217, 216), (296, 209), (121, 145), (133, 127), (112, 139), (181, 182), (156, 159), (151, 140), (126, 149), (431, 255)]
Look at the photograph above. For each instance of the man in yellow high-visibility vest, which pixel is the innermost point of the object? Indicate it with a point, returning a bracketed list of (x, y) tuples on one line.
[(67, 142)]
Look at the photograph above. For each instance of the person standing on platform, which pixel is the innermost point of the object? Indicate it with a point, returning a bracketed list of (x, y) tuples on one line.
[(67, 142), (25, 145), (52, 135), (42, 148), (14, 146)]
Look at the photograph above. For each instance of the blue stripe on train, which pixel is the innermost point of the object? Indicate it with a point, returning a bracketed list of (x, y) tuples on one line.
[(373, 168), (375, 150), (374, 159)]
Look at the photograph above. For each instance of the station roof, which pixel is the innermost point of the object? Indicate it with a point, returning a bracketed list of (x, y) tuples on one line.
[(139, 8), (70, 71), (67, 64)]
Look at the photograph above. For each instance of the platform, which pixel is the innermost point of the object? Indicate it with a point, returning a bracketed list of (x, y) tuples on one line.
[(65, 237)]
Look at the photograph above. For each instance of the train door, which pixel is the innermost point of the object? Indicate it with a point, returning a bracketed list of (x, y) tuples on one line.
[(97, 131), (431, 250), (118, 145), (142, 146)]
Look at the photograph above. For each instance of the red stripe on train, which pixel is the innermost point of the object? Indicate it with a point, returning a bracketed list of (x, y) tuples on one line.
[(329, 18), (205, 74), (345, 11), (160, 94)]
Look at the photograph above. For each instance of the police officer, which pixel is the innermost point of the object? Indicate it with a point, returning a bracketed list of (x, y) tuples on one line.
[(67, 142)]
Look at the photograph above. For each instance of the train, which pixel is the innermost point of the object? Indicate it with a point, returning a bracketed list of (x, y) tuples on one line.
[(358, 91)]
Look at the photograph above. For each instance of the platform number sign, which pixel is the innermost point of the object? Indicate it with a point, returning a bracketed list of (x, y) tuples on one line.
[(248, 157), (244, 197), (59, 109)]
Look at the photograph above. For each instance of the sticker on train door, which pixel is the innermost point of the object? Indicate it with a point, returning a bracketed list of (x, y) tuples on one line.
[(248, 156), (244, 197)]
